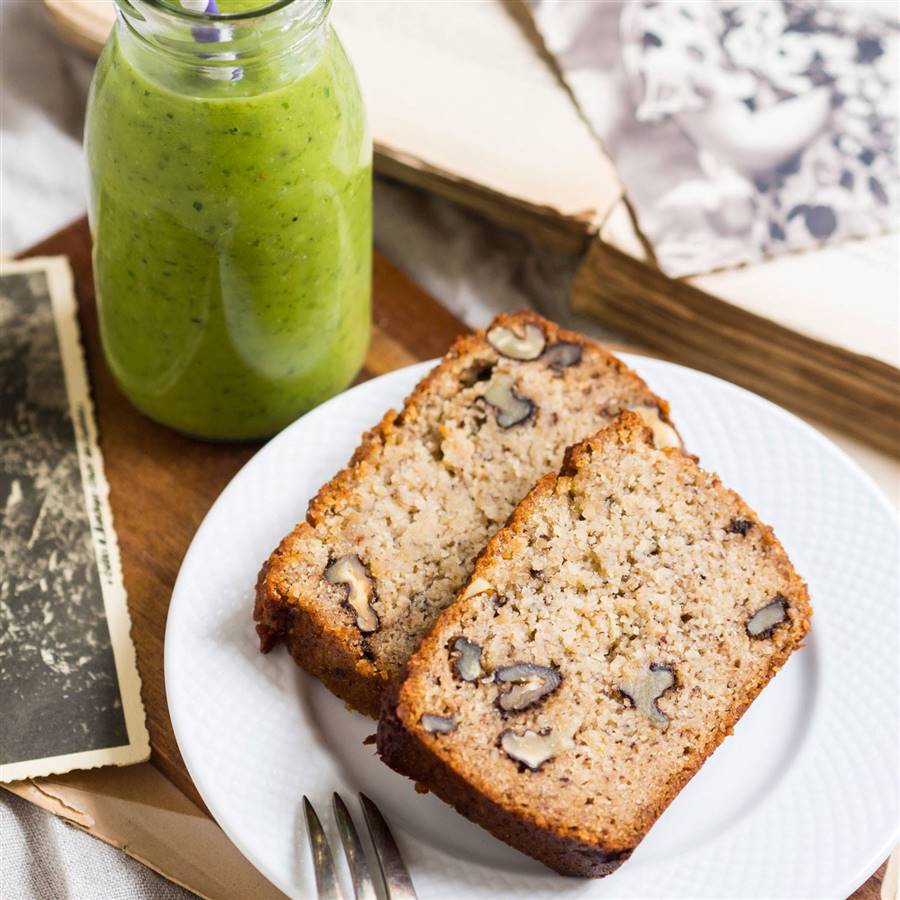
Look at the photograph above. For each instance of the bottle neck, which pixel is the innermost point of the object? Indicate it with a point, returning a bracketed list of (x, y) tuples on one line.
[(201, 52)]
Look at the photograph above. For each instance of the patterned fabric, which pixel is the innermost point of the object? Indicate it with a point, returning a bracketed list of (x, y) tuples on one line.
[(752, 127), (684, 56)]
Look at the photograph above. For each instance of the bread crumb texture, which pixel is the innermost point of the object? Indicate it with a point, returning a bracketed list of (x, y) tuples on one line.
[(426, 490), (632, 576)]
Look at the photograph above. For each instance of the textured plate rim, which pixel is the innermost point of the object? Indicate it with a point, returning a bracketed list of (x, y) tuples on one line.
[(864, 868)]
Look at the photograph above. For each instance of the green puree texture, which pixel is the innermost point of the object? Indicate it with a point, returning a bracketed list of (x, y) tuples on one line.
[(232, 239)]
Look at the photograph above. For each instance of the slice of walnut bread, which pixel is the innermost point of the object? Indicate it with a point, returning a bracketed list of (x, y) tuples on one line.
[(607, 641), (390, 540)]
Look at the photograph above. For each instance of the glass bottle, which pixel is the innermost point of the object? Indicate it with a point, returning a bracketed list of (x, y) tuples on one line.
[(231, 211)]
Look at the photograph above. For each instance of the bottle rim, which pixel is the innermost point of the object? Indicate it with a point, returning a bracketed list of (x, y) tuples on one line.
[(222, 46), (174, 8)]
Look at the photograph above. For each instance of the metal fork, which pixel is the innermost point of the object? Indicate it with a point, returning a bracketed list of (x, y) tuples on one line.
[(394, 875)]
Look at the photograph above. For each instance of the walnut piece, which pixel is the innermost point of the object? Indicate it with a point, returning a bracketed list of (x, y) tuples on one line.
[(664, 435), (529, 685), (523, 347), (350, 573), (511, 408), (533, 748), (438, 724), (646, 687), (466, 658), (739, 526), (764, 621), (563, 355)]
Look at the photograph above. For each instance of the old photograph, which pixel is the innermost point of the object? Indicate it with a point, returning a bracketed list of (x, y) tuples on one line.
[(61, 692)]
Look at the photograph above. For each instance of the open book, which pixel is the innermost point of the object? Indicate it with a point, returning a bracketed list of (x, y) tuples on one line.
[(474, 107)]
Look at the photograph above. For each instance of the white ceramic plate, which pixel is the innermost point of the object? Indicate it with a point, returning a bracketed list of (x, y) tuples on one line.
[(802, 801)]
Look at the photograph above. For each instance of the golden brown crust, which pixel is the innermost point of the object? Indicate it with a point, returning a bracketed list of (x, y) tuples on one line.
[(565, 854), (574, 852), (325, 649), (281, 616)]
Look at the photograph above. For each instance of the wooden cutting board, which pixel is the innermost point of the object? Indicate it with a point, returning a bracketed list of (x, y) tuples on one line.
[(162, 483)]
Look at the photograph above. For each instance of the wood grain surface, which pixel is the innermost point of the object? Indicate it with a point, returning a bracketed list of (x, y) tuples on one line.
[(162, 483)]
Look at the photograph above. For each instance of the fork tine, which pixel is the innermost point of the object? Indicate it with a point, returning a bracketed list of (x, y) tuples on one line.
[(326, 878), (363, 887), (397, 883)]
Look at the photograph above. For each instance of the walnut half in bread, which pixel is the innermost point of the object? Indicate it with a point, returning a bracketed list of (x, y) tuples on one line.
[(389, 541), (651, 620)]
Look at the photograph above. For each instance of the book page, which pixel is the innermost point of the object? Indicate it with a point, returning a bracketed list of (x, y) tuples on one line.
[(846, 294), (469, 95)]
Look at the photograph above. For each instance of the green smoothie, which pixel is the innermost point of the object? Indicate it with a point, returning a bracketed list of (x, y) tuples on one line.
[(232, 233)]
